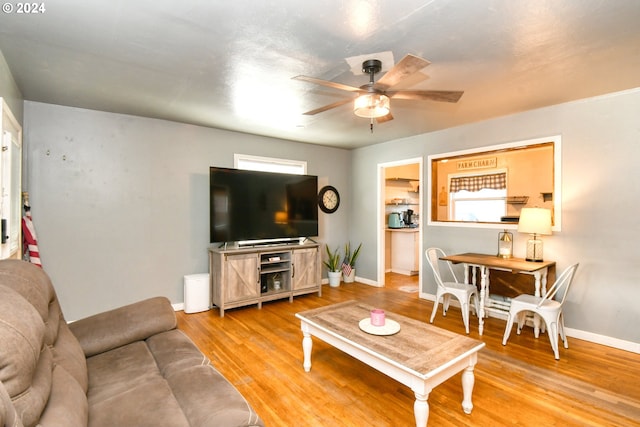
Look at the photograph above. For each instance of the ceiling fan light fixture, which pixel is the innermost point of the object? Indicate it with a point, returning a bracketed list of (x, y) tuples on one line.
[(371, 105)]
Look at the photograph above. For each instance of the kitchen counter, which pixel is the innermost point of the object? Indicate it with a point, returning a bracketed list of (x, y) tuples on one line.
[(403, 246), (405, 229)]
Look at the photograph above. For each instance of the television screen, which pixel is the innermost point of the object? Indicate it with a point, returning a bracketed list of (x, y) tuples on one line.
[(251, 205)]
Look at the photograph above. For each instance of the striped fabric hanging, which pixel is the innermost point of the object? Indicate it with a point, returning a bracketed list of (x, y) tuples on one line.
[(30, 241)]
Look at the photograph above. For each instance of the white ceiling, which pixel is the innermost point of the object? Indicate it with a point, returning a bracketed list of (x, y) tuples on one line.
[(228, 64)]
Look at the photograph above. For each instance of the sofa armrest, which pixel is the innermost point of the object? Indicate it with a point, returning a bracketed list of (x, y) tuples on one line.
[(124, 325)]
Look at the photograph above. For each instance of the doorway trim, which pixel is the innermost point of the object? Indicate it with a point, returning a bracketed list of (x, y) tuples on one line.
[(381, 220)]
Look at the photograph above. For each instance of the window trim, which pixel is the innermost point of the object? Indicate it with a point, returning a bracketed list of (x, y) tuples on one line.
[(434, 185), (275, 161)]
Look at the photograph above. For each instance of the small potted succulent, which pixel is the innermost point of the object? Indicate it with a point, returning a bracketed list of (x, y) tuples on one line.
[(349, 263), (333, 266)]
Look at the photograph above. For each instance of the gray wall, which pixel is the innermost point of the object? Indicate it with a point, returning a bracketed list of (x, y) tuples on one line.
[(120, 203), (600, 224)]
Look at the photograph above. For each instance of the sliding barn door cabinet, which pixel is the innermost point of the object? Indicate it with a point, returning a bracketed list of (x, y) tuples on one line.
[(253, 275)]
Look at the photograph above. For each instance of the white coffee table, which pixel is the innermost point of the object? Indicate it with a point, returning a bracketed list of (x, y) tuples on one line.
[(420, 355)]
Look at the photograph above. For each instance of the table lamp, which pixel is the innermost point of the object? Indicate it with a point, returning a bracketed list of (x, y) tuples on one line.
[(535, 221)]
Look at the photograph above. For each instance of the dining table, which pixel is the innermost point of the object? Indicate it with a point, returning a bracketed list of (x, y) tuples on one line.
[(483, 263)]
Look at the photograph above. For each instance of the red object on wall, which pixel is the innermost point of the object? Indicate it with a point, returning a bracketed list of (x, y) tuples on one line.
[(30, 241)]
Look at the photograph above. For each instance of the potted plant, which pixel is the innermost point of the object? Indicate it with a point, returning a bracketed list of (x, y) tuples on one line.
[(349, 263), (333, 266)]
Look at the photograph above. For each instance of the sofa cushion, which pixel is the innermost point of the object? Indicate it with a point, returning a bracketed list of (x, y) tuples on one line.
[(21, 335), (149, 403), (67, 405), (206, 397), (128, 378), (167, 379), (68, 354), (115, 371), (25, 361), (31, 402), (173, 352), (8, 415), (209, 399), (34, 285), (123, 325)]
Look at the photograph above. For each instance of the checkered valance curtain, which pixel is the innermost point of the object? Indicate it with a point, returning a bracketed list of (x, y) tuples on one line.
[(496, 181)]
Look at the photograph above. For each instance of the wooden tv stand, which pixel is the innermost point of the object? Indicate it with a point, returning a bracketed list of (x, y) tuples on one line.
[(249, 275)]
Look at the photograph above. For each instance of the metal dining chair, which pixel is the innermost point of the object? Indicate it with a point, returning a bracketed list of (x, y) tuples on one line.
[(462, 291), (548, 308)]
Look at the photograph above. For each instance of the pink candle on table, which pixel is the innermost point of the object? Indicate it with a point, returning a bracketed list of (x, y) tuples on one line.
[(377, 317)]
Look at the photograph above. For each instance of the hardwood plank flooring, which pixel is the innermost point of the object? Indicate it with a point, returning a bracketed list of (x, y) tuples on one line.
[(519, 384)]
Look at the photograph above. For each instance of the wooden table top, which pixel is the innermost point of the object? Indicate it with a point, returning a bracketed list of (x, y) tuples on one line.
[(418, 346), (513, 264)]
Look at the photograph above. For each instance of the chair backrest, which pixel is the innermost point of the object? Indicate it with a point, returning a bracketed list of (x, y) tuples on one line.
[(562, 284), (433, 257)]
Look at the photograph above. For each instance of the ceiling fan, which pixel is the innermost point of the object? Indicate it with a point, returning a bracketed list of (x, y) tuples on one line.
[(373, 98)]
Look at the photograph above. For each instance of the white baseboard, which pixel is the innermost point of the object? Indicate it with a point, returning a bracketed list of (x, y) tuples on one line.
[(571, 332), (368, 282), (404, 272), (178, 307), (358, 279), (428, 297), (633, 347)]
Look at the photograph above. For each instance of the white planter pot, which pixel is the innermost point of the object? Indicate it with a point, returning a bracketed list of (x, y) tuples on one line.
[(334, 278), (351, 277)]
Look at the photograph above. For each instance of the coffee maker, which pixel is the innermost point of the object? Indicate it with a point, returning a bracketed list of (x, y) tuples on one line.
[(407, 217)]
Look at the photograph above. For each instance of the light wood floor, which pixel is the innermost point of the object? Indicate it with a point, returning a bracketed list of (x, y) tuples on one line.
[(519, 384)]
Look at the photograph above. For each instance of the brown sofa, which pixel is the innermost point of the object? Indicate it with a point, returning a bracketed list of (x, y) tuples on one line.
[(125, 367)]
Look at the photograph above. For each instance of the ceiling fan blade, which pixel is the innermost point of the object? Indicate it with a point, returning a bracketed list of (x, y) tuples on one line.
[(327, 83), (386, 118), (327, 107), (429, 95), (403, 69)]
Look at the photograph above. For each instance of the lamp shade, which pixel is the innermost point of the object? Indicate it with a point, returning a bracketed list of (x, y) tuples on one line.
[(535, 221), (371, 105)]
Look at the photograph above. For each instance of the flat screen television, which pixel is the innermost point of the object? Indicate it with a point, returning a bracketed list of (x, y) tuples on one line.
[(250, 205)]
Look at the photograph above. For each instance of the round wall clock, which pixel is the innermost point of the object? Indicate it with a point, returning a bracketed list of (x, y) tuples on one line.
[(328, 199)]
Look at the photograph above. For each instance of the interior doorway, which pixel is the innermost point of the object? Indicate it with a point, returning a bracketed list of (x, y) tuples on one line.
[(400, 223)]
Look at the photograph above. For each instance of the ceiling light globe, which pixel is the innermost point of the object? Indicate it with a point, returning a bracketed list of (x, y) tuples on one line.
[(371, 105)]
